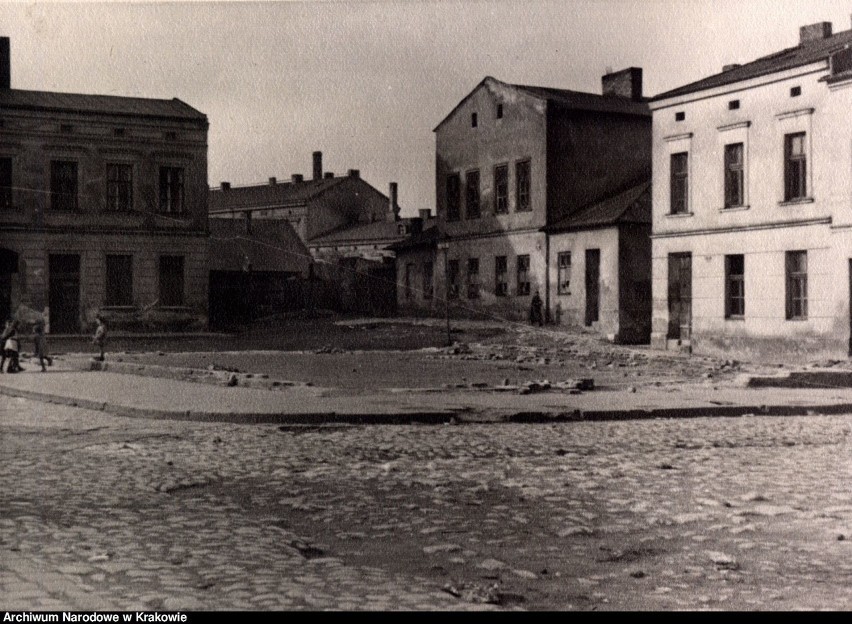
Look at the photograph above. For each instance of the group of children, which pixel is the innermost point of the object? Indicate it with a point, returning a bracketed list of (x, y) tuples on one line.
[(11, 344)]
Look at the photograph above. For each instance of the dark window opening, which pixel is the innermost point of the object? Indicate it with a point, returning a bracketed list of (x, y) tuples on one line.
[(5, 182), (523, 276), (119, 187), (473, 120), (472, 195), (428, 280), (501, 276), (795, 91), (679, 183), (119, 281), (522, 182), (734, 178), (564, 264), (795, 167), (171, 280), (453, 197), (473, 278), (733, 104), (499, 111), (501, 189), (735, 286), (452, 279), (797, 284), (171, 190), (63, 185), (119, 132), (680, 116)]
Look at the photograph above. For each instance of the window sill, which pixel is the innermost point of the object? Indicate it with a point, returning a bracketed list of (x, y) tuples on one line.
[(795, 202), (564, 294), (734, 209), (119, 308), (175, 308), (679, 215), (734, 318), (798, 319)]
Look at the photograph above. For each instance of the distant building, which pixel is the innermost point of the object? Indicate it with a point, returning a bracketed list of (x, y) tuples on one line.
[(103, 208), (515, 165), (752, 190)]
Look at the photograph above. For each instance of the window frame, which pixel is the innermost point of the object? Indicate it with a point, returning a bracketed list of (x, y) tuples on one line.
[(453, 275), (115, 186), (563, 286), (452, 196), (111, 288), (795, 164), (472, 285), (734, 287), (523, 287), (470, 193), (796, 282), (7, 198), (168, 302), (167, 191), (679, 184), (501, 189), (523, 186), (57, 203), (428, 280), (501, 276), (734, 175)]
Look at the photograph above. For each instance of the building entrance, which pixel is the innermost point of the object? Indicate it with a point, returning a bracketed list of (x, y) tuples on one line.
[(680, 296)]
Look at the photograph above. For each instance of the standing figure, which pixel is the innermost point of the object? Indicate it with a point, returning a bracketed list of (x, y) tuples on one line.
[(40, 341), (535, 310), (6, 331), (100, 336), (12, 348)]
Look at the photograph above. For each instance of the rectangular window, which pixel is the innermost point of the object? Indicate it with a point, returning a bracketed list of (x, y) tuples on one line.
[(501, 276), (428, 280), (453, 279), (453, 197), (734, 175), (119, 187), (564, 260), (119, 281), (797, 284), (473, 120), (523, 276), (501, 189), (472, 194), (522, 181), (795, 167), (679, 183), (171, 280), (171, 190), (735, 286), (473, 278), (409, 274), (63, 185), (5, 182), (499, 111)]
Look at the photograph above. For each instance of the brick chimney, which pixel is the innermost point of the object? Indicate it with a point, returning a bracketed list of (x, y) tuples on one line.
[(328, 175), (226, 186), (626, 83), (317, 165), (354, 173), (393, 208), (273, 181), (814, 32), (5, 64)]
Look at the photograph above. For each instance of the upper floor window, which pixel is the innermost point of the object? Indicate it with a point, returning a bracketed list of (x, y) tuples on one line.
[(564, 260), (522, 180), (473, 278), (474, 121), (63, 185), (172, 190), (523, 276), (499, 111), (796, 271), (501, 189), (5, 182), (452, 279), (735, 286), (795, 167), (119, 187), (501, 276), (734, 178), (472, 194), (795, 91), (679, 183), (453, 197), (680, 116)]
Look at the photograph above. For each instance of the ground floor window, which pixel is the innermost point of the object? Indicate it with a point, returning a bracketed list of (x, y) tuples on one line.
[(409, 274), (797, 284), (501, 276), (171, 280), (523, 276), (119, 281), (564, 263), (452, 279), (473, 278), (735, 286)]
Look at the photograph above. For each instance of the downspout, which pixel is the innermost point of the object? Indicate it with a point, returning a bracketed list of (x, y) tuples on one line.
[(546, 276)]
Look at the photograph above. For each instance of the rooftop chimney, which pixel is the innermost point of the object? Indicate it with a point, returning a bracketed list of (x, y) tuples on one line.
[(814, 32), (5, 64), (425, 213), (273, 181), (317, 165), (328, 175), (393, 209), (226, 186), (354, 173), (296, 178), (730, 66), (626, 83)]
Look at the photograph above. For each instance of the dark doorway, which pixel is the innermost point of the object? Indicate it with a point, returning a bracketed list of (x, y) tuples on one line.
[(8, 266), (680, 296), (593, 289), (64, 295)]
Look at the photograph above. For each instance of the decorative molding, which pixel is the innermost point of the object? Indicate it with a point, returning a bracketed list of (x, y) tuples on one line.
[(745, 228), (734, 126), (796, 113), (677, 137)]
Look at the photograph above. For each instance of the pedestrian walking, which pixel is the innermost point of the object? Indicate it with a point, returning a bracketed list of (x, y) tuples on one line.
[(40, 341), (12, 348), (7, 329), (535, 310), (100, 336)]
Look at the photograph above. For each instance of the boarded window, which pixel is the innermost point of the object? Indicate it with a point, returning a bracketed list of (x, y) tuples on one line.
[(63, 185), (501, 276), (171, 280), (734, 175), (795, 167), (119, 281), (523, 276), (172, 190), (564, 260), (797, 284), (501, 189), (735, 286), (472, 194), (679, 183), (119, 187), (453, 197), (473, 278)]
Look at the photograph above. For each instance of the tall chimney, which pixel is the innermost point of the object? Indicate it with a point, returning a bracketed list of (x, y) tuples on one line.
[(626, 83), (5, 64), (317, 165), (393, 209), (226, 186), (814, 32)]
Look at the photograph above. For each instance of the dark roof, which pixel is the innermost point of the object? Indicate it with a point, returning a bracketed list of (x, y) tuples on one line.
[(803, 54), (98, 104), (575, 100), (363, 233), (273, 195), (272, 245), (632, 205), (426, 238)]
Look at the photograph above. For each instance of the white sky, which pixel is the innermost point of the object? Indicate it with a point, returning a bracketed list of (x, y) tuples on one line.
[(366, 82)]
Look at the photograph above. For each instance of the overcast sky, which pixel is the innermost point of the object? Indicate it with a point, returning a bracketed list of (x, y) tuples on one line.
[(366, 82)]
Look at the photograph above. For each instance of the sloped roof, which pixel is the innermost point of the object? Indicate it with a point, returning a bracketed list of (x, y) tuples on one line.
[(564, 98), (273, 195), (632, 205), (803, 54), (12, 99), (272, 245), (363, 233), (425, 238)]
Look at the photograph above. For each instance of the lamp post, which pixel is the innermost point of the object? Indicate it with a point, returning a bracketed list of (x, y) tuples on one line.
[(446, 247)]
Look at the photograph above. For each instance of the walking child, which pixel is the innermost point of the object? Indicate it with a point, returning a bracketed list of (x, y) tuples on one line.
[(6, 331), (11, 349), (100, 336)]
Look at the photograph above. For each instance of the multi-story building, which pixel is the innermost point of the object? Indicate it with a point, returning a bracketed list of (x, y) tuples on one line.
[(752, 205), (514, 164), (103, 208)]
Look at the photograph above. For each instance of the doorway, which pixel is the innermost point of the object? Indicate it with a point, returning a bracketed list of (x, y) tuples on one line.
[(8, 266), (64, 293), (680, 296), (593, 289)]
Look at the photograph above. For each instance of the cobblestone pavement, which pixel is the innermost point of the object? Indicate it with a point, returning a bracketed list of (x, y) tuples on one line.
[(98, 511)]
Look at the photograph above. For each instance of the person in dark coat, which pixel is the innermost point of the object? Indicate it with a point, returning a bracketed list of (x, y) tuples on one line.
[(12, 348), (100, 336), (536, 317), (40, 341)]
